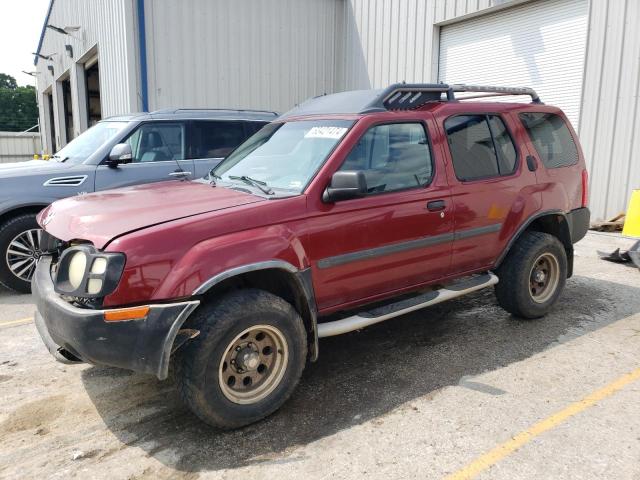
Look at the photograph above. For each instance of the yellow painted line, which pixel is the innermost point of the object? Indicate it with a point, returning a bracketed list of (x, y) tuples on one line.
[(13, 323), (486, 461)]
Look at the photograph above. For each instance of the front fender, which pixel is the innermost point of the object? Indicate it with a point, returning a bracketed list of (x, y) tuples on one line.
[(269, 247), (159, 267)]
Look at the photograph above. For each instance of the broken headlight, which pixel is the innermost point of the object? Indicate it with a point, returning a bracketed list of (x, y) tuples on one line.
[(85, 272)]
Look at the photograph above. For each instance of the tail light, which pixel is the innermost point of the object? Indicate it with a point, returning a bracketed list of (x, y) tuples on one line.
[(585, 188)]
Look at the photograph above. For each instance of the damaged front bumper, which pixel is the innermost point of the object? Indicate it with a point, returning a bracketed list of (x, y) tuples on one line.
[(74, 334)]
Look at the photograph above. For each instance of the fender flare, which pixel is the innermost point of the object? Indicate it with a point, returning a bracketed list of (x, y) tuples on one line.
[(526, 225), (301, 277)]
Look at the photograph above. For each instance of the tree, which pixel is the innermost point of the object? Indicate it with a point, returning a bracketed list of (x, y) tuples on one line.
[(18, 106)]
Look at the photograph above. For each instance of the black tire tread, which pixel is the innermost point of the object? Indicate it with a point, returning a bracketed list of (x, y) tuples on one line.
[(188, 368), (6, 225), (515, 265)]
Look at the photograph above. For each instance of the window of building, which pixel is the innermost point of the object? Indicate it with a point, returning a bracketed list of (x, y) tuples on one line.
[(215, 139), (157, 142), (92, 80), (551, 139), (393, 157), (67, 108), (480, 146)]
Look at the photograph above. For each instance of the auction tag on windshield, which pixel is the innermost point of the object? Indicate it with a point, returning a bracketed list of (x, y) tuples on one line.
[(326, 132)]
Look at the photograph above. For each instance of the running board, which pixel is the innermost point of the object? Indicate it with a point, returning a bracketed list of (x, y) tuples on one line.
[(386, 312)]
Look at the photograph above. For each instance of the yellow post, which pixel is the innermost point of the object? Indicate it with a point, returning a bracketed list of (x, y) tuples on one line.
[(632, 219)]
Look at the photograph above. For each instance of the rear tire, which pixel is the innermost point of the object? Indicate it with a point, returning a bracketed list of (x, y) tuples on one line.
[(532, 276), (246, 361), (18, 263)]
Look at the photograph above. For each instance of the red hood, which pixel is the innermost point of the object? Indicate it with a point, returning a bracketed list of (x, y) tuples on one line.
[(100, 217)]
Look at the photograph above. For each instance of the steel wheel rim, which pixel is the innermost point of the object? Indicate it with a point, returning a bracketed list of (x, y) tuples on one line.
[(253, 364), (23, 254), (544, 277)]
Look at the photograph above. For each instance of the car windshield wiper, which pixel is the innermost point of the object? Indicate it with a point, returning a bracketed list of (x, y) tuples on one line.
[(61, 160), (253, 182)]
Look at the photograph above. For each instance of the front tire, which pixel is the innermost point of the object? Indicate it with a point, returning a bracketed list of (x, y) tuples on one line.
[(532, 276), (19, 251), (246, 361)]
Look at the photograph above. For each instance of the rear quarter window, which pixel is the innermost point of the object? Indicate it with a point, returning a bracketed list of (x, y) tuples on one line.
[(551, 138)]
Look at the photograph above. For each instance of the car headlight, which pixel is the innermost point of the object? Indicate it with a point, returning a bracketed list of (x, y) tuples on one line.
[(83, 271), (77, 267)]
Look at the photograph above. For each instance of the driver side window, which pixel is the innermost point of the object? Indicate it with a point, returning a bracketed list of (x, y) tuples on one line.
[(393, 157), (157, 142)]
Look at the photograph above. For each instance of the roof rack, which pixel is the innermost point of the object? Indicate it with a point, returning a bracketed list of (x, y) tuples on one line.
[(233, 110), (407, 96), (489, 91)]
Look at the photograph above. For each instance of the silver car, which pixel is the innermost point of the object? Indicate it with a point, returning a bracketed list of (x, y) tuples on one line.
[(116, 152)]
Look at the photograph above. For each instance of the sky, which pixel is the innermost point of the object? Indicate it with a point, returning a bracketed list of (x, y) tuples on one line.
[(20, 26)]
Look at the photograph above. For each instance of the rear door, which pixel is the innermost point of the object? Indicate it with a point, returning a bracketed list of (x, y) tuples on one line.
[(159, 154), (553, 144), (389, 240), (210, 141), (491, 187)]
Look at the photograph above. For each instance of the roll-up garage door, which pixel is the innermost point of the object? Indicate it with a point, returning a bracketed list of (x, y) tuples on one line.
[(540, 44)]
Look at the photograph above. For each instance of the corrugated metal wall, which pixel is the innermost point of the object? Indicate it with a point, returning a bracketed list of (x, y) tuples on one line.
[(387, 41), (266, 54), (393, 40), (107, 25), (18, 146), (610, 126)]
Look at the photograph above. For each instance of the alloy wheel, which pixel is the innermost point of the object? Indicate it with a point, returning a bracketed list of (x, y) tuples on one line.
[(23, 253)]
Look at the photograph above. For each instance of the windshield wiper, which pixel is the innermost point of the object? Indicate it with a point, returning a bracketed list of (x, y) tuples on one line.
[(262, 186), (61, 160)]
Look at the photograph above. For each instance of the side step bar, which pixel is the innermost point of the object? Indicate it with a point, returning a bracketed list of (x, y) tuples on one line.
[(386, 312)]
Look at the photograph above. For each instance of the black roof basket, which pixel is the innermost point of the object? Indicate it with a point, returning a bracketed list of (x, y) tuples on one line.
[(407, 96)]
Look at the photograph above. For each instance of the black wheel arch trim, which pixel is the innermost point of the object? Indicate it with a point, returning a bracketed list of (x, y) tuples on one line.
[(576, 222), (301, 277)]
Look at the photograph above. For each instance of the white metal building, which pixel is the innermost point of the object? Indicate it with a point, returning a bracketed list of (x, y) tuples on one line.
[(118, 56)]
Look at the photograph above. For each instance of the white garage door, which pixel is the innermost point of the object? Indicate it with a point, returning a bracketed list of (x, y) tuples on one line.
[(539, 44)]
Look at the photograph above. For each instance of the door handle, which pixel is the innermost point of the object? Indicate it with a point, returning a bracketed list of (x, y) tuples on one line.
[(179, 173), (436, 205)]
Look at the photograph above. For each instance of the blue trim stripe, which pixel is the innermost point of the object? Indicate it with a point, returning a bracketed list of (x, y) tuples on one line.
[(44, 29), (142, 40)]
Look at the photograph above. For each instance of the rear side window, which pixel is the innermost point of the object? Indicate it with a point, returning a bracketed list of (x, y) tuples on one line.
[(480, 146), (393, 157), (215, 139), (551, 139)]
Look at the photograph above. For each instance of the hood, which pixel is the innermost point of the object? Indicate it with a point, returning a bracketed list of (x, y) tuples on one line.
[(31, 167), (100, 217)]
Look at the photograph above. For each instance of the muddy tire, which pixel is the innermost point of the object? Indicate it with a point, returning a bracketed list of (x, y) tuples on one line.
[(246, 361), (532, 276), (19, 250)]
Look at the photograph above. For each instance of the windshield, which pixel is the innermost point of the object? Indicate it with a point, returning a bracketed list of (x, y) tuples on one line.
[(283, 155), (78, 149)]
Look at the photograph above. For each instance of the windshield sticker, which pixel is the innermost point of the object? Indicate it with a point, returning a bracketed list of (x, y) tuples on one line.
[(326, 132)]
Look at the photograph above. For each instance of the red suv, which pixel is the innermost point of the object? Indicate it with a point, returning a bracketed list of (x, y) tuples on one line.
[(351, 209)]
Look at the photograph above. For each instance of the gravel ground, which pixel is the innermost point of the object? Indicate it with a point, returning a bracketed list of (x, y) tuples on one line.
[(417, 397)]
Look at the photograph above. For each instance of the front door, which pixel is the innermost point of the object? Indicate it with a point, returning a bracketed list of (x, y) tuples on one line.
[(397, 236), (158, 154)]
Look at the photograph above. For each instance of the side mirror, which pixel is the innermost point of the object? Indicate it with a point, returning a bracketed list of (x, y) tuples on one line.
[(120, 153), (345, 185)]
